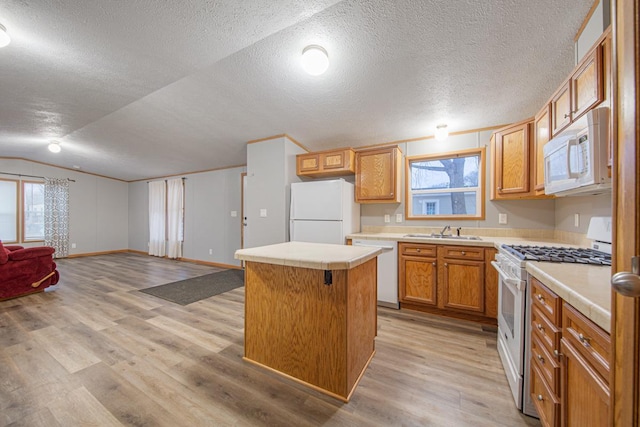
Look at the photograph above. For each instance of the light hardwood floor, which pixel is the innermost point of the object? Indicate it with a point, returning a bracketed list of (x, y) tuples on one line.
[(95, 351)]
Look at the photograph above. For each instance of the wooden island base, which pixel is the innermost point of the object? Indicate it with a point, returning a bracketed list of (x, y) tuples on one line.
[(321, 335)]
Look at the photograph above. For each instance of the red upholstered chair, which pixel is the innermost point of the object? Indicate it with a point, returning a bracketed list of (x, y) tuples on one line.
[(26, 270)]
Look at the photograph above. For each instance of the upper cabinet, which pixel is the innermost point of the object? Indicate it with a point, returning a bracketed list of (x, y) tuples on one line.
[(378, 175), (541, 134), (583, 90), (512, 168), (326, 163)]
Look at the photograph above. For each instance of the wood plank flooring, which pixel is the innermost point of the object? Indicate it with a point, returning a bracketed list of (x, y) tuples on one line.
[(95, 351)]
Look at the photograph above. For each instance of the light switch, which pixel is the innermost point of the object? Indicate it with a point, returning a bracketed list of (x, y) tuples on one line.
[(387, 218), (502, 218), (263, 213), (234, 214), (73, 246), (398, 217)]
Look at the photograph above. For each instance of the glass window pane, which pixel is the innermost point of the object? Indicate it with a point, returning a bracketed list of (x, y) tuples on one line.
[(33, 211), (456, 172), (447, 203), (8, 211)]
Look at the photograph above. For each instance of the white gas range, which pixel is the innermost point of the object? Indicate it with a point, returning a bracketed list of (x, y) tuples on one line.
[(514, 300)]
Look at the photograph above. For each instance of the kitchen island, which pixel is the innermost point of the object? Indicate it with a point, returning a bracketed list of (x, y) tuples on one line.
[(310, 312)]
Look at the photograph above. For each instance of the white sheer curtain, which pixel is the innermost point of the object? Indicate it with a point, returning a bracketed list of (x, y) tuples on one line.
[(56, 215), (157, 208), (175, 212)]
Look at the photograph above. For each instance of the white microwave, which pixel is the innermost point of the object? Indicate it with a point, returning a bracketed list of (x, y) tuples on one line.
[(575, 162)]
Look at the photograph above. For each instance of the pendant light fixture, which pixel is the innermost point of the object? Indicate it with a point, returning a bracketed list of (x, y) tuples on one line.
[(315, 60), (54, 147), (4, 37), (441, 132)]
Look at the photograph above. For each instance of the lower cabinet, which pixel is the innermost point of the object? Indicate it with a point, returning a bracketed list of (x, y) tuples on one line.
[(447, 280), (569, 363)]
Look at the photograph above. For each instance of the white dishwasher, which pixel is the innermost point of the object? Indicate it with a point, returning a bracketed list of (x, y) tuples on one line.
[(387, 270)]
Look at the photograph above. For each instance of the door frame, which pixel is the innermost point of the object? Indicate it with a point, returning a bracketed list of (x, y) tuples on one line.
[(625, 380)]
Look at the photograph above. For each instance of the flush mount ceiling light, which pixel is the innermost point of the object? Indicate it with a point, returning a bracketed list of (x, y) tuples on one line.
[(315, 60), (4, 37), (54, 147), (441, 132)]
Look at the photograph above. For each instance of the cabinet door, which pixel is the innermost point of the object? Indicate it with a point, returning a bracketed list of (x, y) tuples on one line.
[(418, 277), (512, 160), (463, 285), (587, 88), (540, 138), (585, 396), (377, 175), (308, 163), (561, 108)]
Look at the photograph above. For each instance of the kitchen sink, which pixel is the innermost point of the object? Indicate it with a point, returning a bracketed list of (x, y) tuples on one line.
[(440, 236)]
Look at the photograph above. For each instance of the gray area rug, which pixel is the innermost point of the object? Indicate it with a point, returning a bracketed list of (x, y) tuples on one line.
[(197, 288)]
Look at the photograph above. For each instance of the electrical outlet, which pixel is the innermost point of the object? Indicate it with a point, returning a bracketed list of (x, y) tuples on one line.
[(73, 246), (502, 218), (210, 251), (234, 214), (387, 218), (263, 213), (576, 220), (398, 217)]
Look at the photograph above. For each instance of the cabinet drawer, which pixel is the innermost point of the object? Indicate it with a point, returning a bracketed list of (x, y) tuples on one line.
[(547, 405), (548, 302), (417, 249), (463, 252), (590, 341), (547, 364), (548, 333)]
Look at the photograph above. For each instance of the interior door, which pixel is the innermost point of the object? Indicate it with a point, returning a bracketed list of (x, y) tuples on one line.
[(626, 207)]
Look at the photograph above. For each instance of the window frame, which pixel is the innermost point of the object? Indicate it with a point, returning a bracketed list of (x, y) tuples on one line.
[(481, 189), (18, 192), (23, 238)]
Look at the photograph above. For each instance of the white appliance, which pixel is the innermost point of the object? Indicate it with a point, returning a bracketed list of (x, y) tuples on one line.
[(323, 211), (387, 270), (575, 162)]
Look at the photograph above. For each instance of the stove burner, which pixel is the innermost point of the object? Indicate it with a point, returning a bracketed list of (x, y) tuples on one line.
[(559, 254)]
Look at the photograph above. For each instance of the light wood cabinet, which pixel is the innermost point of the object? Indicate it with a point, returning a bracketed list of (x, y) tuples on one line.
[(541, 133), (586, 351), (326, 163), (569, 363), (583, 90), (378, 175), (448, 280), (513, 171)]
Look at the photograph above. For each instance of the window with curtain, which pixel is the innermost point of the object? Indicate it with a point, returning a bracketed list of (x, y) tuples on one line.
[(8, 210), (166, 218)]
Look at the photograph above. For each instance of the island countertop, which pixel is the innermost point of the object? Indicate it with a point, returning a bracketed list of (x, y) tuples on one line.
[(319, 256)]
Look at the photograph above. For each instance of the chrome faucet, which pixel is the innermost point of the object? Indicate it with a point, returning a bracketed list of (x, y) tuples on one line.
[(446, 227)]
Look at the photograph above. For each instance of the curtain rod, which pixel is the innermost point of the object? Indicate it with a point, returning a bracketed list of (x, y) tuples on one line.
[(30, 176), (184, 178)]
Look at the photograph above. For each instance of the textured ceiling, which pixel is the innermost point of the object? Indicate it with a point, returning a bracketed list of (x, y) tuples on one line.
[(139, 89)]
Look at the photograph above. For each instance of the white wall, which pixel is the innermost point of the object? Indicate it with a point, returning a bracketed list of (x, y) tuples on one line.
[(98, 207), (525, 214), (270, 172), (209, 199), (598, 22), (586, 207)]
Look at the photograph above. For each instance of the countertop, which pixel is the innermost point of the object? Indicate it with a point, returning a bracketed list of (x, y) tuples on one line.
[(587, 288), (318, 256)]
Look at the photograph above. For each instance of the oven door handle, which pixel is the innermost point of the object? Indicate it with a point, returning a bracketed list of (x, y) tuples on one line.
[(514, 283)]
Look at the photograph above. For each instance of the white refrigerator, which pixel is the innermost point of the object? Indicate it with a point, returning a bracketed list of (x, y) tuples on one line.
[(323, 211)]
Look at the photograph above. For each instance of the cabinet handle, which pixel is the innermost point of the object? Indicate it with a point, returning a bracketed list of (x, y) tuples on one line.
[(417, 250), (433, 263), (445, 264), (540, 298), (499, 188), (556, 353), (541, 359), (540, 327), (584, 340), (540, 398), (566, 116), (463, 253)]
